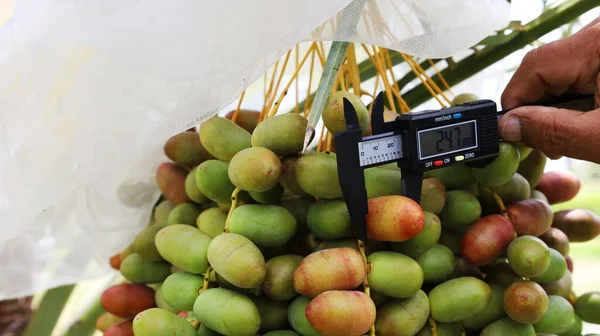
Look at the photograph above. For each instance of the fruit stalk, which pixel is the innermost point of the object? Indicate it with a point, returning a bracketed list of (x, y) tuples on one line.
[(500, 203), (206, 281), (234, 200), (367, 288), (433, 326)]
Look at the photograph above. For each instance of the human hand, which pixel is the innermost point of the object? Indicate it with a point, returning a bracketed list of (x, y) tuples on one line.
[(568, 65)]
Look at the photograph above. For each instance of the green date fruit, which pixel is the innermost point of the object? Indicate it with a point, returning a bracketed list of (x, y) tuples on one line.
[(213, 181), (403, 317), (502, 169), (317, 175), (394, 274), (159, 322), (237, 260), (227, 312), (461, 209), (255, 169), (141, 271), (333, 113), (180, 289), (184, 213), (264, 225), (459, 298), (329, 219), (437, 264), (283, 134), (184, 246), (212, 136), (422, 242)]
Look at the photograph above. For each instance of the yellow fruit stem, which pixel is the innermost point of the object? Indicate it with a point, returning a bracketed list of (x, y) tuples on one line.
[(234, 201), (206, 280), (425, 84), (329, 139), (378, 55), (287, 86), (374, 93), (237, 110), (365, 93), (375, 60), (271, 82), (276, 88), (433, 326), (500, 203), (367, 288), (571, 299), (442, 79), (195, 323), (431, 81), (297, 55)]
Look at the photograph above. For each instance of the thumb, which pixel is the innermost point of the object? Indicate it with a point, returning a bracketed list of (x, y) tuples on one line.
[(556, 132)]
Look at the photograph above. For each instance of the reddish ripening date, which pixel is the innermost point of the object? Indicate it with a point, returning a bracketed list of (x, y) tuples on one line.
[(127, 300), (530, 217), (170, 179), (559, 186), (341, 313), (485, 240), (124, 328), (115, 261), (578, 224), (331, 269), (394, 218)]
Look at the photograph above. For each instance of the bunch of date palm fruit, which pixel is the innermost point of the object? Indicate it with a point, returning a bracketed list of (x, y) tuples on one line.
[(250, 237)]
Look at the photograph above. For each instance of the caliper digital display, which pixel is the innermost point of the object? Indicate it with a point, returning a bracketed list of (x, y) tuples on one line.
[(420, 141)]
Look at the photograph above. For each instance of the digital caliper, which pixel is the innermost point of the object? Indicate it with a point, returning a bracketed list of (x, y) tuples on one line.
[(421, 141)]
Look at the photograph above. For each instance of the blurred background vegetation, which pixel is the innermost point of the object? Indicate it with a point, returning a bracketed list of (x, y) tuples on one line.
[(74, 307)]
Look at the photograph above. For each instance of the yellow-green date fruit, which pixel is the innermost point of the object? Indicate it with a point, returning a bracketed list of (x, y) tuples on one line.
[(273, 314), (279, 283), (180, 289), (213, 181), (184, 246), (212, 221), (317, 175), (461, 209), (185, 149), (382, 182), (459, 298), (463, 98), (288, 175), (191, 188), (254, 169), (283, 134), (297, 317), (162, 211), (141, 271), (237, 260), (143, 244), (333, 113), (403, 317), (159, 322), (506, 326), (454, 177), (587, 307), (502, 169), (161, 303), (329, 219), (184, 213), (422, 242), (493, 312), (558, 318), (437, 263), (394, 274), (227, 312), (222, 138), (264, 225)]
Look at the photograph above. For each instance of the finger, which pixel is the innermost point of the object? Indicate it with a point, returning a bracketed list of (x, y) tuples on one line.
[(568, 64), (556, 132)]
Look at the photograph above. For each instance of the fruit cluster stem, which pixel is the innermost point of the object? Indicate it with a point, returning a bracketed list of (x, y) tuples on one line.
[(367, 288), (500, 203), (206, 280), (433, 326), (234, 201)]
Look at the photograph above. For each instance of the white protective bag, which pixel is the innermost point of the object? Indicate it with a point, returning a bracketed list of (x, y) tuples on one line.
[(91, 89)]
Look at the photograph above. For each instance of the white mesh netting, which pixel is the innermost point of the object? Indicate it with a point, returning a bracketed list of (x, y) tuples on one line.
[(92, 89)]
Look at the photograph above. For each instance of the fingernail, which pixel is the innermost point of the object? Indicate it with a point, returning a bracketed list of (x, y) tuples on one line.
[(511, 130)]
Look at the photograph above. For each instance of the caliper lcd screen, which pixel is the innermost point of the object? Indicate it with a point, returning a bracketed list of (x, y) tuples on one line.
[(447, 139)]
